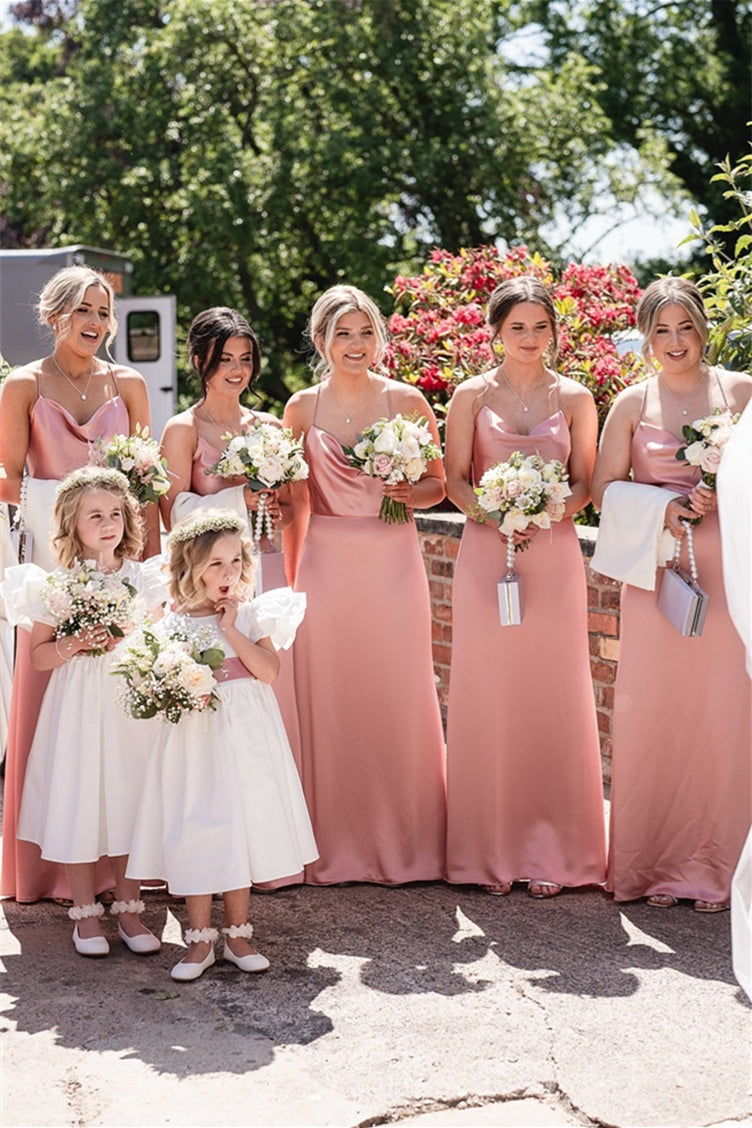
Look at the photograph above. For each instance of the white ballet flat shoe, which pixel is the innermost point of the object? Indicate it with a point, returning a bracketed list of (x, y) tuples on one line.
[(185, 972), (254, 962), (145, 944), (90, 945)]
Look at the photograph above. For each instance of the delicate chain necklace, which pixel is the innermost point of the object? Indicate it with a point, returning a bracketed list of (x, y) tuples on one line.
[(65, 376), (213, 421), (687, 399), (525, 406), (348, 414)]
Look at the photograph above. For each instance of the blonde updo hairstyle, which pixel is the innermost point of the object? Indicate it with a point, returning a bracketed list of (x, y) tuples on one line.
[(665, 292), (512, 292), (332, 304), (64, 293), (65, 541), (190, 555)]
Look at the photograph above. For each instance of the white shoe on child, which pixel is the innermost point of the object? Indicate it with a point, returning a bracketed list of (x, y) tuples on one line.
[(253, 962)]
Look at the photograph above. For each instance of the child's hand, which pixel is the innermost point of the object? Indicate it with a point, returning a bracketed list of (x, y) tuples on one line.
[(227, 609)]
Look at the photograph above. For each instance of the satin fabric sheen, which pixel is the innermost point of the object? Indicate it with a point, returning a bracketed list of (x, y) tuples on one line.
[(524, 790), (57, 445), (680, 793), (272, 576), (372, 741)]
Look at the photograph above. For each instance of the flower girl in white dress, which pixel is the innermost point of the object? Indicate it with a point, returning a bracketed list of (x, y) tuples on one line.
[(222, 805), (83, 778)]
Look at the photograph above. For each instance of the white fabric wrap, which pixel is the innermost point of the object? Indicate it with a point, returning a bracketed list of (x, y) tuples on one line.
[(186, 503), (153, 582), (40, 496), (632, 542), (21, 592), (277, 614), (734, 484)]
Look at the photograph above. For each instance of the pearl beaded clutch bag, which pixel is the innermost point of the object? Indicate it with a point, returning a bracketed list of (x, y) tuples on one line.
[(681, 599)]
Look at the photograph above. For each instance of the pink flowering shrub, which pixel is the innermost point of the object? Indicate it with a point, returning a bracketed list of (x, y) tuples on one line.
[(439, 335)]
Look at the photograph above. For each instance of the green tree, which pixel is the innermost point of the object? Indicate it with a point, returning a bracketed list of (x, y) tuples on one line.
[(678, 72), (251, 153)]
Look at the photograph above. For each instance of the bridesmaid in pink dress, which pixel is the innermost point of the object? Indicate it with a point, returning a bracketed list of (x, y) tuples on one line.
[(224, 351), (524, 790), (50, 411), (680, 796), (372, 741)]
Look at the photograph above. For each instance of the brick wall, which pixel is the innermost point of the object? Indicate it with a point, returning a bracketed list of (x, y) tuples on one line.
[(440, 534)]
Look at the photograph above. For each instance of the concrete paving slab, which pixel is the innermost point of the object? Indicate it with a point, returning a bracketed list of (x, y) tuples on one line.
[(426, 1004)]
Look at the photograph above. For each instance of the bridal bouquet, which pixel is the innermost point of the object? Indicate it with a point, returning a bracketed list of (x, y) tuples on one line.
[(82, 596), (394, 450), (137, 456), (267, 457), (524, 490), (169, 673), (705, 440)]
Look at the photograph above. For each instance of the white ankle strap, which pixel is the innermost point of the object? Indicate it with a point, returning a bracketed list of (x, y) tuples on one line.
[(127, 907), (200, 935), (236, 930), (80, 912)]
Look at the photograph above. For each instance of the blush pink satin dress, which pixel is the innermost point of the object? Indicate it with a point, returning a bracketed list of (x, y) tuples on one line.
[(272, 576), (680, 796), (57, 445), (524, 780), (371, 733)]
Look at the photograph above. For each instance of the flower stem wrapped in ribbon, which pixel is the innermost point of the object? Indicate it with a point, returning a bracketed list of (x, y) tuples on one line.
[(705, 440), (524, 490), (267, 456), (137, 456), (169, 673), (394, 450)]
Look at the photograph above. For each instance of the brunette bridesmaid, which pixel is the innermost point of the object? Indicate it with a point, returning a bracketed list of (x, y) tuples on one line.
[(224, 352), (524, 789), (372, 742)]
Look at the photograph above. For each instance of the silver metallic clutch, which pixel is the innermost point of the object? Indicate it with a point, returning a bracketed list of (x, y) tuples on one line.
[(681, 599)]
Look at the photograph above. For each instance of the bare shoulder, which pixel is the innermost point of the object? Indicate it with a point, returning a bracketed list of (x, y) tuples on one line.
[(127, 376), (180, 428), (627, 407), (299, 409), (737, 386), (470, 390), (20, 386), (265, 417), (407, 397), (573, 392)]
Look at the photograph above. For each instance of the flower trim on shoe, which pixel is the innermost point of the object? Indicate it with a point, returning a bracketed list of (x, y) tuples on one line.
[(234, 931), (127, 907), (81, 912), (200, 935)]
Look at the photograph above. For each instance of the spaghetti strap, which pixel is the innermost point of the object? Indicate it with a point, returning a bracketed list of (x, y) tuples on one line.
[(644, 401), (557, 388), (388, 403), (316, 406), (111, 371), (714, 370)]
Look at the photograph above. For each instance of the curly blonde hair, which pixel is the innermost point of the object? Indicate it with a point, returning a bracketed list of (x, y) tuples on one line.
[(190, 553), (65, 540)]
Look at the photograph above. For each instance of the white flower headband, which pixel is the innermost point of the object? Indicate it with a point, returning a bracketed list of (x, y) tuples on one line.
[(218, 521), (93, 476)]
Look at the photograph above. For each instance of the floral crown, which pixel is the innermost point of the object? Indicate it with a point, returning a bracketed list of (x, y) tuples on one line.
[(217, 521), (103, 476)]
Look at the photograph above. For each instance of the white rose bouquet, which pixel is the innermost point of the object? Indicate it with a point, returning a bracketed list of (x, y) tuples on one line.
[(394, 450), (705, 440), (169, 673), (137, 456), (267, 457), (522, 491), (82, 596)]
